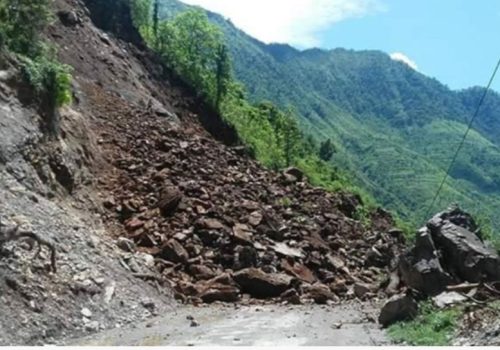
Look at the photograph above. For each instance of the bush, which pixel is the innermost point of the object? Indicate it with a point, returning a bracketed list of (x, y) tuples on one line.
[(21, 22), (49, 78), (432, 327)]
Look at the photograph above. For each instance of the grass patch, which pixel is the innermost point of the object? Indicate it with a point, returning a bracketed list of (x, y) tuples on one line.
[(432, 327)]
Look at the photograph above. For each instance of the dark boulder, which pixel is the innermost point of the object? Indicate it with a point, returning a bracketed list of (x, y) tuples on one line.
[(260, 284), (170, 198), (220, 292), (421, 269), (448, 251), (398, 308)]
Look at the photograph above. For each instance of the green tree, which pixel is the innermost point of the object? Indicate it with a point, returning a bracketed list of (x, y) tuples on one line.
[(189, 43), (156, 22), (22, 22), (223, 74), (326, 150), (141, 15)]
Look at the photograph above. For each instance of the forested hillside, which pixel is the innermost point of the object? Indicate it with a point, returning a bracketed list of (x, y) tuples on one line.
[(393, 127)]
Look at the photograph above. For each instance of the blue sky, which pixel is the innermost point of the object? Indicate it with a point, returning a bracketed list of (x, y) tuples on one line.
[(455, 41)]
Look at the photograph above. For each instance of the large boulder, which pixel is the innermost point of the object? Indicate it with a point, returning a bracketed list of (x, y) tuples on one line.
[(448, 250), (398, 308), (260, 284), (465, 253), (220, 292), (421, 269)]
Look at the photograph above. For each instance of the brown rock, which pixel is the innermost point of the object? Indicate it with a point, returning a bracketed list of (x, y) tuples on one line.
[(339, 287), (255, 218), (170, 199), (291, 296), (398, 308), (242, 234), (134, 224), (337, 262), (210, 224), (220, 292), (174, 252), (320, 293), (201, 272), (295, 173), (362, 289), (260, 284), (299, 271)]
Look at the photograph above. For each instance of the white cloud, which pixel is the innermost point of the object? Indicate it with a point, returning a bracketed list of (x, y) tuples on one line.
[(297, 22), (401, 57)]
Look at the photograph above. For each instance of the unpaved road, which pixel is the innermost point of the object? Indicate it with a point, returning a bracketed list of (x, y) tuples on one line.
[(348, 324)]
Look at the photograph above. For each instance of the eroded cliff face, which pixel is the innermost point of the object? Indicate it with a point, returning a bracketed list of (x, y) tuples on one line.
[(47, 185)]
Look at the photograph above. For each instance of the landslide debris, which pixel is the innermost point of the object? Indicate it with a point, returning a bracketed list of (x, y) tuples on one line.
[(222, 228)]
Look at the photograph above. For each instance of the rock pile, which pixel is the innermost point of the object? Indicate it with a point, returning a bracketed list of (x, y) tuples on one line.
[(449, 254), (222, 228), (448, 251)]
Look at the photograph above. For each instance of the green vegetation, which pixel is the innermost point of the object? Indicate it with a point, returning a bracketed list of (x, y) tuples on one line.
[(432, 327), (194, 48), (21, 24), (392, 127)]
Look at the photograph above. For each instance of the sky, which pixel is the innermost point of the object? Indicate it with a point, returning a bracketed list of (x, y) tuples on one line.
[(455, 41)]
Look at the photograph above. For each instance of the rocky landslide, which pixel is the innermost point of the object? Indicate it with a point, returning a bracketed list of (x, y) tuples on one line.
[(222, 228), (140, 201)]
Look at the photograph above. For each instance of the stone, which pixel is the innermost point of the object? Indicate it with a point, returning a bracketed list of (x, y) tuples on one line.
[(134, 224), (260, 284), (462, 249), (285, 250), (126, 244), (68, 18), (255, 218), (291, 296), (337, 262), (320, 293), (170, 198), (362, 289), (86, 312), (210, 224), (220, 292), (201, 272), (175, 252), (421, 268), (242, 234), (296, 173), (299, 271), (398, 308), (446, 299)]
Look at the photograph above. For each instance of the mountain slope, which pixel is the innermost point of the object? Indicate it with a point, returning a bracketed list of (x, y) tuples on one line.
[(395, 128)]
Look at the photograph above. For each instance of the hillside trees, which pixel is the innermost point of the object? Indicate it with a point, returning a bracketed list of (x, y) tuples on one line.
[(326, 150), (21, 24), (197, 51)]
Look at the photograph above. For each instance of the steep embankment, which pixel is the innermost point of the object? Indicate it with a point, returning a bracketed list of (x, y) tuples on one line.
[(46, 185)]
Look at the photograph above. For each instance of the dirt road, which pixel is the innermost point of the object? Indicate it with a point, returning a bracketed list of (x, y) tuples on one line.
[(348, 324)]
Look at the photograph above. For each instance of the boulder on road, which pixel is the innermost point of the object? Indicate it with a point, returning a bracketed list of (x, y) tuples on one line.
[(398, 308), (260, 284), (220, 292)]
